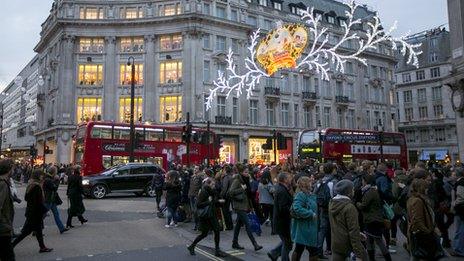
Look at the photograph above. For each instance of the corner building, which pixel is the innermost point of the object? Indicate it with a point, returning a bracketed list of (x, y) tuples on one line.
[(178, 47)]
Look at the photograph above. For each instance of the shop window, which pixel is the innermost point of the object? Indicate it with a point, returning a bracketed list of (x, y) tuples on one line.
[(171, 42), (170, 72), (90, 74), (125, 74), (132, 44), (131, 13), (170, 9), (91, 45), (124, 109), (88, 109), (91, 13), (170, 109)]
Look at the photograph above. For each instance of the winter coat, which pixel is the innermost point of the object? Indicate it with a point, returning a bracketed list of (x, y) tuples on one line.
[(304, 231), (35, 208), (195, 184), (157, 182), (420, 215), (459, 199), (344, 225), (173, 194), (399, 184), (371, 206), (282, 203), (265, 193), (6, 207), (384, 186), (238, 195), (50, 187), (75, 192), (225, 186), (211, 223)]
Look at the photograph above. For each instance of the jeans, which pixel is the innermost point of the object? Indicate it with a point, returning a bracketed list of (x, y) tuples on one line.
[(458, 242), (283, 248), (324, 231), (158, 195), (171, 215), (242, 220), (193, 207), (6, 249), (56, 215)]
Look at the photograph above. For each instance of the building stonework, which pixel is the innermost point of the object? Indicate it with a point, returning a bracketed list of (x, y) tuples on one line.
[(425, 114), (178, 47), (456, 79)]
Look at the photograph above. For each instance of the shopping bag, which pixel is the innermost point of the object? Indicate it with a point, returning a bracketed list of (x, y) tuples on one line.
[(254, 223)]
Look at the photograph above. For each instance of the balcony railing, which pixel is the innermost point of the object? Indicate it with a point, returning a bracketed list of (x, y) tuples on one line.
[(271, 91), (309, 96), (342, 99), (223, 120)]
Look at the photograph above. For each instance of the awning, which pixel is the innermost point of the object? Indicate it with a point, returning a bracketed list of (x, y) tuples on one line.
[(440, 154)]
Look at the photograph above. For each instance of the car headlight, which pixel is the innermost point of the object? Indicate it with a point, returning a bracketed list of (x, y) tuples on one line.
[(85, 182)]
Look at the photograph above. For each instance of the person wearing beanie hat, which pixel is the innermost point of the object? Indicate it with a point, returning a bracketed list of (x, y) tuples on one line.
[(345, 231)]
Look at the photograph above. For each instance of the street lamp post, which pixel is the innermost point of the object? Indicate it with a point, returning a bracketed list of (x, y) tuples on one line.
[(131, 62)]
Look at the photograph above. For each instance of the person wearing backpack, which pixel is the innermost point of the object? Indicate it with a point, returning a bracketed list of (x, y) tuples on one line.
[(384, 187), (324, 193), (400, 192), (226, 183)]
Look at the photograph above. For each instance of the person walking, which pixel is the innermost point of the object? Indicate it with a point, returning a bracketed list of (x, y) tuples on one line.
[(458, 242), (75, 192), (372, 212), (238, 193), (157, 184), (304, 221), (421, 220), (385, 186), (35, 211), (52, 198), (173, 196), (345, 231), (283, 200), (195, 186), (207, 204), (266, 198), (225, 186), (6, 211)]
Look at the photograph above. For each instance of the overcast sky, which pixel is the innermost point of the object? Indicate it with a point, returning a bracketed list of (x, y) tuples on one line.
[(21, 19)]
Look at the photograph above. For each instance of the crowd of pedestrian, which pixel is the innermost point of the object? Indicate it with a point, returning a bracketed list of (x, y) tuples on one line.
[(346, 212), (41, 197)]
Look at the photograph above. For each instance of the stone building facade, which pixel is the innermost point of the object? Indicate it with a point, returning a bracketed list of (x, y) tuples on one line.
[(425, 114), (456, 79), (178, 47)]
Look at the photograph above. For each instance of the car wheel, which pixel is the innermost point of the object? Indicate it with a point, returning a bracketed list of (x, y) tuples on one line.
[(99, 191), (150, 192)]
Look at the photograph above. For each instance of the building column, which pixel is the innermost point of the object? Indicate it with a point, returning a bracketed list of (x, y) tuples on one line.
[(150, 100), (63, 147), (67, 91), (110, 102)]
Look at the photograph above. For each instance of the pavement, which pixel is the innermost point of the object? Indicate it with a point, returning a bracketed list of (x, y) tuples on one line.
[(123, 227)]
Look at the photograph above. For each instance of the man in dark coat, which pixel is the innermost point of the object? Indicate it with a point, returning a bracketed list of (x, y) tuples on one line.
[(75, 192), (52, 199), (226, 183), (35, 211), (282, 220), (6, 211)]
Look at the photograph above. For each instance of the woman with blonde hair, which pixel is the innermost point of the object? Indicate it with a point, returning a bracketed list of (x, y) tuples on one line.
[(304, 220)]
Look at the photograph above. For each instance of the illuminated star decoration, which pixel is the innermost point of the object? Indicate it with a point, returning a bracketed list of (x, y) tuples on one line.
[(319, 53)]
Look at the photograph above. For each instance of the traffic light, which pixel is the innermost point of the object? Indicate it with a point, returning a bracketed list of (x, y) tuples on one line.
[(187, 133), (268, 144), (204, 138), (281, 142), (33, 152), (218, 142), (138, 138), (47, 150)]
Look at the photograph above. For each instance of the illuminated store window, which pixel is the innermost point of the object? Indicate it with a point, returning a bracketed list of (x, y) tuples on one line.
[(171, 42), (131, 13), (131, 44), (91, 13), (88, 109), (170, 9), (170, 72), (170, 109), (124, 109), (90, 74), (125, 72), (91, 45)]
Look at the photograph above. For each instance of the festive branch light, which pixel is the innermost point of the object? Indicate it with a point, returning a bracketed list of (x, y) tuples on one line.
[(320, 53)]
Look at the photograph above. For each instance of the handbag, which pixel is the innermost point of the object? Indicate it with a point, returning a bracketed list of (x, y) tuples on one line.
[(204, 212), (388, 211), (255, 225), (426, 245)]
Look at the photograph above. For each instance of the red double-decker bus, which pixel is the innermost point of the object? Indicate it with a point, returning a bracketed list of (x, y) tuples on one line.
[(100, 145), (349, 145)]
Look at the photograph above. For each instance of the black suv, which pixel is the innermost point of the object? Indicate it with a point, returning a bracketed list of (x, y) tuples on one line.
[(132, 177)]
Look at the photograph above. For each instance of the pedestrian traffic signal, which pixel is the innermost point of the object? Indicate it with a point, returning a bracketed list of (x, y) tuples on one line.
[(138, 139), (47, 150), (268, 144), (187, 133), (281, 142)]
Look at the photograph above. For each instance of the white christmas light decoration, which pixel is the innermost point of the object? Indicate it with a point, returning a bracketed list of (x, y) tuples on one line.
[(319, 54)]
